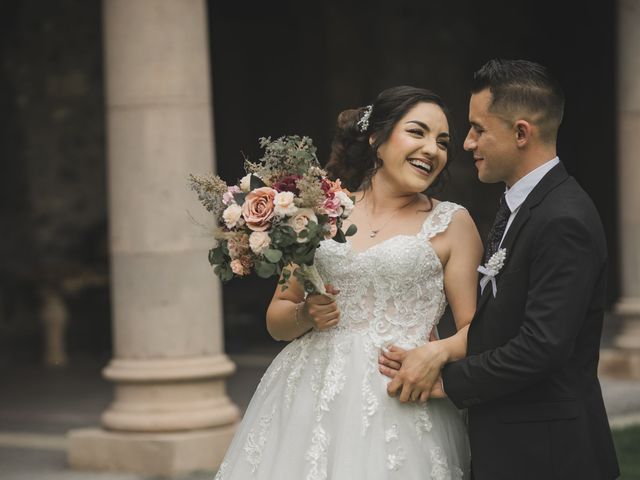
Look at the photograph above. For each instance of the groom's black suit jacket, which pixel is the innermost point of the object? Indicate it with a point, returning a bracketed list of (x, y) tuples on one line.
[(529, 380)]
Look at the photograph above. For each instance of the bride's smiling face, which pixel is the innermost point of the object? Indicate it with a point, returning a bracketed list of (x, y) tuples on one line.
[(417, 149)]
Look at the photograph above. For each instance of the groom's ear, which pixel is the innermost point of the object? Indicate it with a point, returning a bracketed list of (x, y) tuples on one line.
[(523, 131)]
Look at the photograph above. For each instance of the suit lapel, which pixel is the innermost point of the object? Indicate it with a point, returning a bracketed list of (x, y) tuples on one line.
[(551, 180)]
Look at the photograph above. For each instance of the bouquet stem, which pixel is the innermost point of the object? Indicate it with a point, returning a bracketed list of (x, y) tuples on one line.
[(312, 281)]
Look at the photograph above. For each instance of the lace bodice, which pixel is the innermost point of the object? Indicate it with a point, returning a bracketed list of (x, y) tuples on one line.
[(324, 387), (392, 292)]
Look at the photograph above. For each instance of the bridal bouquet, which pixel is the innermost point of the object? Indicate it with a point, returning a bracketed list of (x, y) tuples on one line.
[(274, 219)]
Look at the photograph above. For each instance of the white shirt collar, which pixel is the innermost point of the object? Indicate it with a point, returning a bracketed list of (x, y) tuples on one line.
[(518, 193)]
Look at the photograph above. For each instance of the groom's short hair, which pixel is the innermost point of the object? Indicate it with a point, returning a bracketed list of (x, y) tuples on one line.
[(523, 89)]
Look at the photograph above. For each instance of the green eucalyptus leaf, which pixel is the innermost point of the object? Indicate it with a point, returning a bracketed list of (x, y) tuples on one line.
[(216, 255), (265, 269), (272, 255), (256, 182), (224, 272), (351, 230), (339, 237), (239, 197)]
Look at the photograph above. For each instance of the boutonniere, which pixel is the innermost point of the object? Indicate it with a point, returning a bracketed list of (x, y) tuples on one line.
[(491, 269)]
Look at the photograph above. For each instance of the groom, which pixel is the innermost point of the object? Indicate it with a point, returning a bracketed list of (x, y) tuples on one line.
[(529, 380)]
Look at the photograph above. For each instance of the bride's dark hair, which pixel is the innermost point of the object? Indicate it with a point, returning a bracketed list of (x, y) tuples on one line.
[(352, 159)]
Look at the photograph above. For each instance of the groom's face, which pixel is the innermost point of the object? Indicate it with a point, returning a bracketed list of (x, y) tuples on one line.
[(492, 140)]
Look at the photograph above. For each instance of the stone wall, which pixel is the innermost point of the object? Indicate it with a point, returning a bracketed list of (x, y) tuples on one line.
[(52, 172)]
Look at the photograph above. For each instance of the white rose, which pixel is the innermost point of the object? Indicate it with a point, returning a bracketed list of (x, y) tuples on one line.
[(346, 203), (259, 242), (245, 183), (284, 204), (300, 221), (232, 215)]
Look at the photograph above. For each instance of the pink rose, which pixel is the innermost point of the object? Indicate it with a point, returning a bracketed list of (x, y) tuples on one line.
[(332, 206), (258, 208)]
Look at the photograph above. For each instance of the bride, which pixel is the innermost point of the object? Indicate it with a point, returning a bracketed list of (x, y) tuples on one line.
[(321, 410)]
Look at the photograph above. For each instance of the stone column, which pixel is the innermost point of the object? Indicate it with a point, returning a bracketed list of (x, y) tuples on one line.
[(624, 358), (170, 413)]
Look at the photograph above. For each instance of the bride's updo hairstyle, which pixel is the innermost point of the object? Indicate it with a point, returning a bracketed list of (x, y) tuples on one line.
[(352, 159)]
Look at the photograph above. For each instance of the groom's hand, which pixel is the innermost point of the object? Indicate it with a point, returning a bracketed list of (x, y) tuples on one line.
[(419, 370)]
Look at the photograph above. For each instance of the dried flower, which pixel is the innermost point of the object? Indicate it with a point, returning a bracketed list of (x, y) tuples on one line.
[(238, 245), (210, 190), (311, 193)]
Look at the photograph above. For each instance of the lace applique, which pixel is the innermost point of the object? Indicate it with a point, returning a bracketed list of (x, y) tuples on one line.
[(395, 460), (441, 218), (296, 372), (391, 433), (440, 469), (423, 421), (317, 454), (327, 381), (334, 377), (290, 353), (370, 401), (257, 439)]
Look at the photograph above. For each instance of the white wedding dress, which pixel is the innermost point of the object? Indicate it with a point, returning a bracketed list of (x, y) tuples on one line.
[(322, 411)]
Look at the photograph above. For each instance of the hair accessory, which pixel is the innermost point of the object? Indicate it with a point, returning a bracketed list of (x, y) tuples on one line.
[(363, 123)]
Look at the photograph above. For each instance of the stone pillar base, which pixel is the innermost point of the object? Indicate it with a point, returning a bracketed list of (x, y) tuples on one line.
[(622, 358), (620, 363), (148, 453)]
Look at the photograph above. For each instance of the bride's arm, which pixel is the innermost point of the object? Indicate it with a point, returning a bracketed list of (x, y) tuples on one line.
[(289, 315), (416, 371), (461, 283)]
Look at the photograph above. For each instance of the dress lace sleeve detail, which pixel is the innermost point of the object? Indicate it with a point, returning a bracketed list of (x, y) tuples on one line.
[(438, 221)]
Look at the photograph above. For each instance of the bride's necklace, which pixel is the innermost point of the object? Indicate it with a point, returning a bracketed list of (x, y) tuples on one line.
[(374, 231)]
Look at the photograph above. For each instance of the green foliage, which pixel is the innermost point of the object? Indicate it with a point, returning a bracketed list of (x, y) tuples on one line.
[(265, 269), (292, 154), (351, 230), (217, 255), (210, 189), (255, 182), (627, 442), (283, 236), (239, 197), (284, 279), (274, 256), (224, 272)]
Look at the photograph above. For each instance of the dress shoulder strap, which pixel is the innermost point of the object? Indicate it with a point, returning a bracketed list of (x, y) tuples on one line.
[(439, 219)]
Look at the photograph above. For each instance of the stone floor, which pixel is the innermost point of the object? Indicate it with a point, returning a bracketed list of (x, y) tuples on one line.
[(37, 407)]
